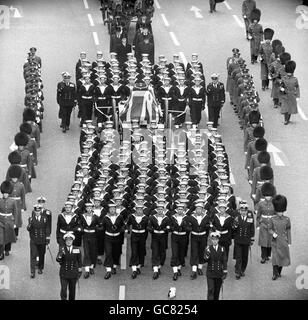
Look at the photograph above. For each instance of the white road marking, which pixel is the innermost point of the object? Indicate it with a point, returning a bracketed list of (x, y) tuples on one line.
[(174, 39), (90, 20), (95, 36), (301, 113), (238, 20), (123, 256), (196, 10), (157, 4), (122, 293), (165, 20), (232, 180), (275, 151), (85, 2), (183, 58), (227, 5), (16, 12)]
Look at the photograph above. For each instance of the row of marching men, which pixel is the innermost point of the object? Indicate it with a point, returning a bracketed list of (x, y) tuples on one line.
[(196, 219), (23, 159), (104, 84), (276, 66), (245, 99)]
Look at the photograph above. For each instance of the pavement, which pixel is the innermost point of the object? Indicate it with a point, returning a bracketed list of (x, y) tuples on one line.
[(60, 30)]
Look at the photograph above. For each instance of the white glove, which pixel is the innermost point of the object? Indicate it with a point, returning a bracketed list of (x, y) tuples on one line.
[(14, 226), (244, 16), (258, 228), (289, 245), (275, 235), (297, 99)]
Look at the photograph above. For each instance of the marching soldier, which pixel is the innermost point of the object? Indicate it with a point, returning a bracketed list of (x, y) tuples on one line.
[(89, 223), (199, 222), (215, 98), (159, 225), (290, 92), (216, 272), (265, 212), (8, 218), (197, 97), (244, 232), (34, 57), (265, 52), (139, 223), (255, 34), (280, 228), (86, 97), (179, 226), (39, 231), (70, 260), (113, 226), (42, 201), (247, 7), (67, 100), (18, 195)]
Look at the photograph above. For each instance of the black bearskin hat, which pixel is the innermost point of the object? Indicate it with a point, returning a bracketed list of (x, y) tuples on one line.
[(280, 203), (258, 132), (264, 157), (276, 43), (290, 66), (266, 173), (14, 171), (6, 187), (21, 139), (28, 115), (268, 34), (25, 128), (14, 158), (261, 144), (254, 117), (255, 15), (267, 189), (284, 57)]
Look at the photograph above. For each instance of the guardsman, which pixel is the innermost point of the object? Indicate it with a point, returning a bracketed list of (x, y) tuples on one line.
[(216, 272), (138, 222), (113, 226), (265, 53), (8, 218), (199, 222), (89, 224), (197, 97), (21, 140), (29, 116), (67, 100), (179, 227), (264, 160), (255, 34), (290, 92), (265, 211), (159, 226), (280, 228), (215, 98), (70, 260), (15, 158), (39, 231), (247, 7), (18, 195), (244, 231), (31, 145)]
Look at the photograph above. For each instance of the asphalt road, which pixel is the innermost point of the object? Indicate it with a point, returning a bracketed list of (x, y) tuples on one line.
[(60, 30)]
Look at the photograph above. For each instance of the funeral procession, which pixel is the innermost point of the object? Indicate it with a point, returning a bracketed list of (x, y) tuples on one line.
[(154, 150)]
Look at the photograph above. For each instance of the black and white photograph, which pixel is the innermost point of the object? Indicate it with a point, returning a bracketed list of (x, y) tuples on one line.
[(155, 151)]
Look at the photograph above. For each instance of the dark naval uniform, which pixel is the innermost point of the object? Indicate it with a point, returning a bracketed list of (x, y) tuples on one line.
[(215, 100), (71, 263)]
